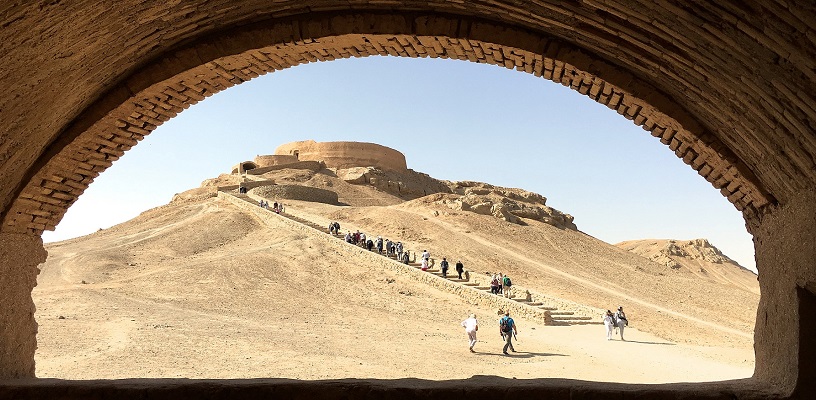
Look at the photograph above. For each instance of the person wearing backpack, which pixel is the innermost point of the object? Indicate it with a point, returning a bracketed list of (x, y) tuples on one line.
[(506, 283), (507, 329), (621, 321), (460, 268), (444, 265)]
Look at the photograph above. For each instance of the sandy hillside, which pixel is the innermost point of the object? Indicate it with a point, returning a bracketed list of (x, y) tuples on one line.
[(200, 288), (696, 258)]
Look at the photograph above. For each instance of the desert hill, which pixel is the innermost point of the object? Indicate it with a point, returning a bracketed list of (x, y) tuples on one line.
[(200, 288), (696, 257)]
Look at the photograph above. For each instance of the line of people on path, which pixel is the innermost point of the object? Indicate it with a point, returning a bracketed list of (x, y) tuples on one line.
[(276, 207), (393, 249), (616, 321)]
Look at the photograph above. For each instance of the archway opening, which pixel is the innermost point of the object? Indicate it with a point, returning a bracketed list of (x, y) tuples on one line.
[(462, 152)]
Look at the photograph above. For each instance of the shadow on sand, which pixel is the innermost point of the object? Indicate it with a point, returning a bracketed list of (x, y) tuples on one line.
[(521, 354), (638, 341)]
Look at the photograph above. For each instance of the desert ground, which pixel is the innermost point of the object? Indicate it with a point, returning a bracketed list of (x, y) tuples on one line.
[(199, 288)]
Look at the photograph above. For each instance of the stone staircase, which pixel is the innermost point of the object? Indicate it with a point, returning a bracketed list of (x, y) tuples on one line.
[(552, 314)]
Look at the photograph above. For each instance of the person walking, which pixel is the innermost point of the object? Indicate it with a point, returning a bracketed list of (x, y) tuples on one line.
[(620, 318), (507, 329), (379, 244), (609, 322), (494, 284), (506, 283), (460, 268), (471, 325), (444, 266)]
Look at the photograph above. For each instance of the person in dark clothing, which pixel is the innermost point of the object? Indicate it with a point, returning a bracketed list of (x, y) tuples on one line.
[(444, 265), (460, 268)]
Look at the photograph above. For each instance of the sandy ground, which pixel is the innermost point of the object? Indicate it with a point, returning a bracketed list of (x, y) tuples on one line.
[(203, 290)]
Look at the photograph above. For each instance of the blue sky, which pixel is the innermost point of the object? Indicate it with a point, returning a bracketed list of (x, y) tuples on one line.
[(453, 120)]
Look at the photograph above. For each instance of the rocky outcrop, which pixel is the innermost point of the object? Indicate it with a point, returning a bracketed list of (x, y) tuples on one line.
[(509, 204), (668, 251), (407, 184)]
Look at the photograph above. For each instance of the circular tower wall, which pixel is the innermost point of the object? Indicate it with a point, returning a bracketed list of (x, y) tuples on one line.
[(274, 159), (345, 154)]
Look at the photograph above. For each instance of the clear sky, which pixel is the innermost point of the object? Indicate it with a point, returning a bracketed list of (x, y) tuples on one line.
[(453, 120)]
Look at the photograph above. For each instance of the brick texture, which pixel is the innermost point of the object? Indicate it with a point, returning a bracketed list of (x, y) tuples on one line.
[(645, 71)]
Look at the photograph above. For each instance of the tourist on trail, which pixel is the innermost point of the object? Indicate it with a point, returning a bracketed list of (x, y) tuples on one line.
[(348, 238), (406, 257), (336, 228), (363, 239), (620, 318), (506, 284), (369, 244), (494, 284), (501, 279), (274, 205), (331, 228), (471, 325), (399, 250), (444, 265), (389, 245), (460, 268), (424, 264), (379, 244), (426, 255), (260, 203), (507, 329), (609, 322)]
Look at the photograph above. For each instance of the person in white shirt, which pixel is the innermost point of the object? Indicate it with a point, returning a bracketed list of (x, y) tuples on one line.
[(609, 323), (471, 325)]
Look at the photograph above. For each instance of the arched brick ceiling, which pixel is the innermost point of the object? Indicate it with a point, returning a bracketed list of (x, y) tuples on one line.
[(727, 86)]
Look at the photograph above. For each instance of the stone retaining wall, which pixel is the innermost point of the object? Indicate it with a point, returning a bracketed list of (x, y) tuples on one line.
[(297, 192), (310, 165)]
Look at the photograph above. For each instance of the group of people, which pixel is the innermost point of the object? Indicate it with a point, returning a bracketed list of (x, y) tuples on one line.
[(615, 321), (383, 246), (507, 330), (393, 249), (276, 207), (501, 285)]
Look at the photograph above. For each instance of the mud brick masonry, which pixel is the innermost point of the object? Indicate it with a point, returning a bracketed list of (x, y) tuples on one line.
[(728, 86)]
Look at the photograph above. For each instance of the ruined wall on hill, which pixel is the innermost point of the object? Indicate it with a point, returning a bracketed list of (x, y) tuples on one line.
[(274, 159), (313, 166), (296, 192), (345, 154)]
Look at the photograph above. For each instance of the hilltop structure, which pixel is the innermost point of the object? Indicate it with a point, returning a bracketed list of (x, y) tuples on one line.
[(332, 154)]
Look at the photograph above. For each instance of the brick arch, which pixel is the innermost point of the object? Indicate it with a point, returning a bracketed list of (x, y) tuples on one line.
[(182, 77)]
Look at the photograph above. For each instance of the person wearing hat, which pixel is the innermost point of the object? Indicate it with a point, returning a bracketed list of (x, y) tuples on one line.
[(471, 325), (507, 329), (620, 318)]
